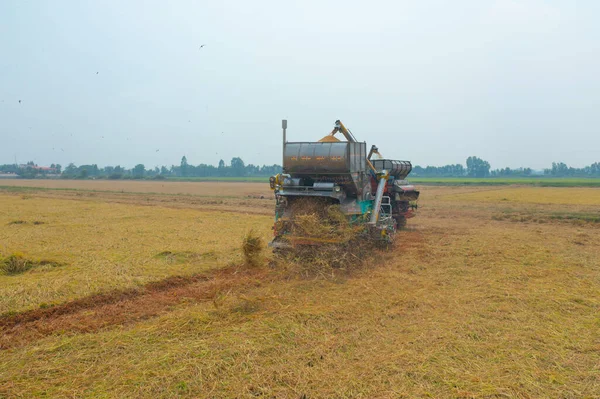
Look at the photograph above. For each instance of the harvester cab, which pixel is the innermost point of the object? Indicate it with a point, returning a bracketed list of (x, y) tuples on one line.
[(369, 190)]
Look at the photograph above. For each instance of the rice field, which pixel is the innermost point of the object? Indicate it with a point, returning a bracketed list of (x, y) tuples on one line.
[(541, 181), (535, 195), (141, 291), (213, 188), (103, 246)]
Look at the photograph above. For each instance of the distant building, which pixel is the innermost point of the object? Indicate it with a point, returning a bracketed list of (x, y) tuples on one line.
[(8, 175), (45, 169)]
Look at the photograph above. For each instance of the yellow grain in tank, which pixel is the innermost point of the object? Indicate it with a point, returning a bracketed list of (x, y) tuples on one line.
[(329, 139)]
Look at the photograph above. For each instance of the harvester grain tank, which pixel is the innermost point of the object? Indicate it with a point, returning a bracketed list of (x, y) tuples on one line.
[(369, 189)]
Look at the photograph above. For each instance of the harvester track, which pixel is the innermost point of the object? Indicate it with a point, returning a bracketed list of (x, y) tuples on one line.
[(122, 307)]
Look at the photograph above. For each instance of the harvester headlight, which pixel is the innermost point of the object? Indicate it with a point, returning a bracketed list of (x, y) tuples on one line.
[(337, 189)]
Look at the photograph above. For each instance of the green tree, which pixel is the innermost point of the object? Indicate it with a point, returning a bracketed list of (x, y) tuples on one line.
[(28, 172), (70, 170), (222, 168), (184, 166), (138, 171), (477, 167), (560, 169), (238, 167)]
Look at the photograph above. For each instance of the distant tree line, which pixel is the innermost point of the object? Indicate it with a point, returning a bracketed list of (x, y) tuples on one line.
[(560, 169), (237, 168), (475, 167)]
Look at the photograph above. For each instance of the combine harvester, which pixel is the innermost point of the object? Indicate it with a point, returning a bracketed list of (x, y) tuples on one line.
[(368, 189)]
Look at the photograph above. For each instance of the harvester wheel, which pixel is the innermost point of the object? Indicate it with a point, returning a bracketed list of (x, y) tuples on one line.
[(400, 222)]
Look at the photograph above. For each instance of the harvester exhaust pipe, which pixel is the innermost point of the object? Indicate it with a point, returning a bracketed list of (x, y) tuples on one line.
[(379, 197), (284, 127)]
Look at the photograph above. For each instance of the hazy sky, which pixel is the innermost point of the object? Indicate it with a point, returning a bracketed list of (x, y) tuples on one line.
[(516, 82)]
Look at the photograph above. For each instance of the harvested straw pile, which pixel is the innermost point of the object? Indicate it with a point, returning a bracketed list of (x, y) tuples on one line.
[(252, 248), (327, 224), (324, 241)]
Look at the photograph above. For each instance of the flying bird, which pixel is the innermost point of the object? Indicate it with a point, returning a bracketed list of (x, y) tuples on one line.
[(19, 101), (158, 150), (202, 46), (96, 73)]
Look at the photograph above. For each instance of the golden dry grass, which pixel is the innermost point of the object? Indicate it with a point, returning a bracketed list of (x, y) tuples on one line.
[(534, 195), (107, 246), (465, 307), (164, 187)]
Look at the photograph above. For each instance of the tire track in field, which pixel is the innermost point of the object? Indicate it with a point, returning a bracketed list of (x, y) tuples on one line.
[(122, 307), (125, 307)]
